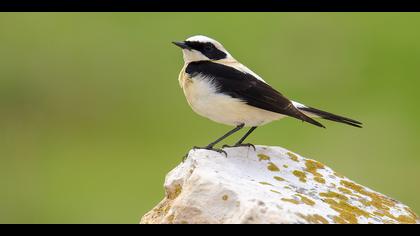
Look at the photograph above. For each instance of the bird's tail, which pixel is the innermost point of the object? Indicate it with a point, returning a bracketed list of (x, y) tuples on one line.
[(313, 112)]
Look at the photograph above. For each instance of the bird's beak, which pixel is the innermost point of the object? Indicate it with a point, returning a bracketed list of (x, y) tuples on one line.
[(182, 45)]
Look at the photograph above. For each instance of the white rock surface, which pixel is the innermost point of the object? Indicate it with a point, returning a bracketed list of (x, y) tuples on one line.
[(271, 185)]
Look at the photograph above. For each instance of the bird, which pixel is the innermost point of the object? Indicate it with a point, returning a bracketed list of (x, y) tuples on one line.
[(220, 88)]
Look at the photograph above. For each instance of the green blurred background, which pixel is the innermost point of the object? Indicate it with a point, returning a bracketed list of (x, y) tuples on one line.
[(92, 116)]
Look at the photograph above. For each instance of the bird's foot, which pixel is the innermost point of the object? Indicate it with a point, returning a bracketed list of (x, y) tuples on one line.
[(211, 148), (241, 145)]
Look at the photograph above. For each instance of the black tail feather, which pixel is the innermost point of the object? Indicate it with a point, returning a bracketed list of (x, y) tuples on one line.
[(296, 113), (332, 117)]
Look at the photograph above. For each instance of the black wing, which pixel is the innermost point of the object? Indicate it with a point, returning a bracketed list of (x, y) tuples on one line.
[(246, 87)]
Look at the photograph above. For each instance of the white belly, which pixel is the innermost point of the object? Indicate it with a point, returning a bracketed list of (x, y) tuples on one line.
[(204, 100)]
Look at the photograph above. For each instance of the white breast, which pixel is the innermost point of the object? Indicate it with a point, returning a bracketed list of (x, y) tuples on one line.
[(204, 99)]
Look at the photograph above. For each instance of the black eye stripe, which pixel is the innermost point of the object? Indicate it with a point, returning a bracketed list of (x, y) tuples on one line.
[(207, 49)]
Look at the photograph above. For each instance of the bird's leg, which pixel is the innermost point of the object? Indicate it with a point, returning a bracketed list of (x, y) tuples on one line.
[(211, 145), (246, 136), (240, 142), (236, 129)]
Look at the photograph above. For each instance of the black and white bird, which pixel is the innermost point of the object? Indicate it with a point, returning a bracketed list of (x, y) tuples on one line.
[(220, 88)]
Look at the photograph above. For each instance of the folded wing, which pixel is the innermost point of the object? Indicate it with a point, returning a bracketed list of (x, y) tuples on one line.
[(244, 86)]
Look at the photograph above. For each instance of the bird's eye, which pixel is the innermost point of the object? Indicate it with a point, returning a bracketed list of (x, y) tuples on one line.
[(208, 48)]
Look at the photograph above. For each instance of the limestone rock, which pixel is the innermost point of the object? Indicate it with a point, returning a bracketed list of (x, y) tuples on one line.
[(269, 185)]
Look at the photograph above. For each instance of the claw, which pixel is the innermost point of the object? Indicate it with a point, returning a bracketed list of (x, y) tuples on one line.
[(221, 151), (240, 145), (247, 145)]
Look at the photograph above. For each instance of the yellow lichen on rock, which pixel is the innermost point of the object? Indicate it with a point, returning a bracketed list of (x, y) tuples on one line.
[(381, 203), (278, 178), (319, 180), (332, 194), (313, 166), (293, 156), (291, 200), (272, 167), (266, 183), (314, 219), (263, 157), (348, 192), (301, 175), (347, 213), (306, 200)]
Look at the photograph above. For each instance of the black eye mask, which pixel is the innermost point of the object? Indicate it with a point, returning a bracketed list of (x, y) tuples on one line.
[(207, 49)]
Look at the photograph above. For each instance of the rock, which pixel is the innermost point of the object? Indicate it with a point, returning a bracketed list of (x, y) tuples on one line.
[(269, 185)]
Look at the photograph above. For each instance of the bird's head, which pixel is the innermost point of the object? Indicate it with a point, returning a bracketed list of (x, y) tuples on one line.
[(202, 48)]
